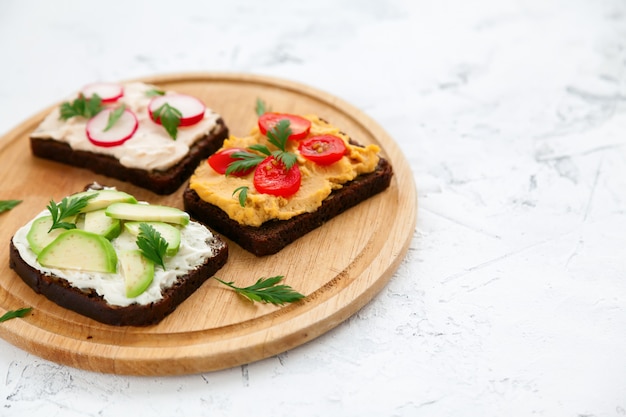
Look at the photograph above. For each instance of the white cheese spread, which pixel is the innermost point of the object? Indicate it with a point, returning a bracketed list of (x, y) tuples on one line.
[(150, 148), (195, 248)]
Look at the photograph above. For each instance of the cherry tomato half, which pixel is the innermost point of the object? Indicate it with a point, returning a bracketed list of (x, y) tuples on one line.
[(299, 126), (271, 177), (322, 149), (219, 161)]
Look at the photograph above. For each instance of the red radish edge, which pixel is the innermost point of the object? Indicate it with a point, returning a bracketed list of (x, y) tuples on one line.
[(108, 92), (122, 130), (191, 108)]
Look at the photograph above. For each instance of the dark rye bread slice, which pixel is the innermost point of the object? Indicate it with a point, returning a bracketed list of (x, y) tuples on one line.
[(274, 235), (90, 304), (160, 182)]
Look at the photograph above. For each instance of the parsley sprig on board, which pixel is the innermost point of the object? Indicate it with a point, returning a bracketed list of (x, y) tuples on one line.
[(81, 106), (152, 244), (22, 312), (6, 205), (267, 290), (68, 207)]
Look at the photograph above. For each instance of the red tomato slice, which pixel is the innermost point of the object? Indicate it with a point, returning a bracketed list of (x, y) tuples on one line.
[(219, 161), (299, 125), (323, 149), (271, 177)]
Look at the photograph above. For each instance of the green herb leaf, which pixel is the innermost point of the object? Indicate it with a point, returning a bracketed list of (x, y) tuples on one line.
[(278, 137), (93, 106), (260, 107), (152, 244), (15, 313), (169, 117), (81, 106), (243, 194), (266, 290), (114, 116), (243, 161), (69, 206), (155, 92), (279, 134), (260, 148), (287, 158), (6, 205)]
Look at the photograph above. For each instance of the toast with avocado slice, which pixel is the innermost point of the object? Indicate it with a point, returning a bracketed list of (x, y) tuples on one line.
[(123, 262)]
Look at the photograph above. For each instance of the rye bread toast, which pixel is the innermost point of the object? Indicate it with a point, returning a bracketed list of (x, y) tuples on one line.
[(158, 181), (150, 156), (272, 236), (86, 300)]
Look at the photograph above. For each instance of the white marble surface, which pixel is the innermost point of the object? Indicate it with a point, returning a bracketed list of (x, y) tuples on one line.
[(512, 298)]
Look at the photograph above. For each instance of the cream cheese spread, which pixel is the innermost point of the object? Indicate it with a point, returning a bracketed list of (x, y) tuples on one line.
[(195, 247), (150, 148)]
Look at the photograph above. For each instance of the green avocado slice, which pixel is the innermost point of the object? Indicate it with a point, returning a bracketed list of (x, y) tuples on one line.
[(79, 250)]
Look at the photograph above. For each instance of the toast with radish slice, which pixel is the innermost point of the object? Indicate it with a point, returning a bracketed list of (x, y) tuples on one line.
[(133, 132)]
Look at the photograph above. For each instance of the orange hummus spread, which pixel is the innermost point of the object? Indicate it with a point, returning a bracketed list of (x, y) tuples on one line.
[(318, 181)]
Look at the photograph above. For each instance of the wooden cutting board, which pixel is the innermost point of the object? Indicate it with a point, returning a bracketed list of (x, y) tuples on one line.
[(339, 267)]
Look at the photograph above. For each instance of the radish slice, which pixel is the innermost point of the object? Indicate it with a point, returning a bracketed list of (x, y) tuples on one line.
[(119, 133), (108, 92), (191, 108)]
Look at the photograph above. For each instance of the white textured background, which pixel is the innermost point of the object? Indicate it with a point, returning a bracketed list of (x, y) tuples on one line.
[(512, 298)]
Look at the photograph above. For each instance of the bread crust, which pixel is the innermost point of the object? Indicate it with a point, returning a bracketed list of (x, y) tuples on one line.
[(160, 182), (92, 305), (272, 236)]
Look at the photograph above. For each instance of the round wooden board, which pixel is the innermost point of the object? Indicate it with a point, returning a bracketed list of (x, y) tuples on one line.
[(339, 267)]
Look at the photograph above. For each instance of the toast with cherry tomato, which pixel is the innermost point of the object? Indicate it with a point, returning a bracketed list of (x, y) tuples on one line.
[(292, 174), (133, 132)]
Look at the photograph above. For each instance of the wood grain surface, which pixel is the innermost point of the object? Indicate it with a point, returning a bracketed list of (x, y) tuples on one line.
[(339, 267)]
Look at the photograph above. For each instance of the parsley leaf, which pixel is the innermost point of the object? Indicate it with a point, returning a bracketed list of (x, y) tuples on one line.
[(287, 158), (278, 137), (15, 313), (243, 162), (266, 290), (243, 194), (279, 134), (260, 107), (114, 116), (6, 205), (169, 117), (152, 244), (260, 148), (155, 92), (81, 106), (66, 208)]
